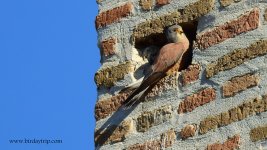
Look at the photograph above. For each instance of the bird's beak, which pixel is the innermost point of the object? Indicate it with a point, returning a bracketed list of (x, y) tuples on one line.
[(178, 31)]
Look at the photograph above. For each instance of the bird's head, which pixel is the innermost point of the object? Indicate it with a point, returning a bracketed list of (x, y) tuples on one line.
[(175, 34)]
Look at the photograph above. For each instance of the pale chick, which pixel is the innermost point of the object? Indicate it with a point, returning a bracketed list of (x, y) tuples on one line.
[(168, 59)]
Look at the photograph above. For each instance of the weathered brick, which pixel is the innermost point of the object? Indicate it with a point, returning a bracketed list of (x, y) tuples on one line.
[(238, 84), (198, 99), (237, 57), (238, 113), (108, 47), (247, 22), (235, 115), (169, 82), (113, 15), (188, 131), (208, 124), (109, 75), (163, 2), (149, 145), (230, 144), (152, 118), (166, 140), (114, 133), (146, 4), (147, 31), (258, 133), (104, 108), (224, 119), (225, 3), (191, 74)]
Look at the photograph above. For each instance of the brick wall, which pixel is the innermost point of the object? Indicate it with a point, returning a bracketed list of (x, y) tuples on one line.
[(218, 102)]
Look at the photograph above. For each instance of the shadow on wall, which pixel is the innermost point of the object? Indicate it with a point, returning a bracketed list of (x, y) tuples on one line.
[(103, 134)]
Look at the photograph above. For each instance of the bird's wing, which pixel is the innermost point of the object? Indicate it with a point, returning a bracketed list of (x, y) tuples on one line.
[(168, 56)]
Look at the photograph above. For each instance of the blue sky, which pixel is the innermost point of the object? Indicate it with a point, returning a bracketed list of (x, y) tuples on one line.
[(48, 57)]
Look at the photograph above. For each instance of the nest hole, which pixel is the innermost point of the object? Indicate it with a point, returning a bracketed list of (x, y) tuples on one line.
[(149, 46)]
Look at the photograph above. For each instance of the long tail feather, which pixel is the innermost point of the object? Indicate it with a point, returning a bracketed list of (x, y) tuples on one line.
[(143, 89), (132, 87)]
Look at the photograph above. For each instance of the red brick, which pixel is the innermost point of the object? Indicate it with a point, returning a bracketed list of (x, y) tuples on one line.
[(106, 107), (250, 108), (230, 144), (113, 15), (188, 131), (163, 2), (196, 100), (238, 84), (244, 23), (108, 47), (191, 74)]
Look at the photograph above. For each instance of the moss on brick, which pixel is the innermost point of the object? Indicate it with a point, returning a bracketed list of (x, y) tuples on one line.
[(236, 58), (258, 133), (208, 124), (153, 118), (108, 76)]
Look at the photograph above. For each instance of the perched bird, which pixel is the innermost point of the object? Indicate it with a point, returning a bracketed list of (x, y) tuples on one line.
[(168, 60)]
